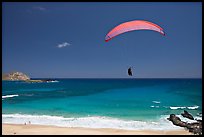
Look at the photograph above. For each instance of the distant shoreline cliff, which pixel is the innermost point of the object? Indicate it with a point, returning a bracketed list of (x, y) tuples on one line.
[(19, 76), (15, 76)]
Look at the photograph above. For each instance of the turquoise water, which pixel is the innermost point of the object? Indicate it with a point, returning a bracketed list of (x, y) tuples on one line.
[(124, 100)]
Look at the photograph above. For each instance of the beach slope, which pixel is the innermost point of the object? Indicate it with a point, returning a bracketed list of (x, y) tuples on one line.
[(29, 129)]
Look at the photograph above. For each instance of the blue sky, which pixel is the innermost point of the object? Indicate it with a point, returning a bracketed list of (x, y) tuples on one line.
[(66, 39)]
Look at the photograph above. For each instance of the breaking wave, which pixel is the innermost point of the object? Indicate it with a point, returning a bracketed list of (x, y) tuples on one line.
[(157, 102), (9, 96), (183, 107), (90, 122)]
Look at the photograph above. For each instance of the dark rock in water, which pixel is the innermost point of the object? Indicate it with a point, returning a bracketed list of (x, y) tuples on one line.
[(199, 120), (48, 80), (195, 127), (176, 121), (197, 131), (187, 115), (173, 117)]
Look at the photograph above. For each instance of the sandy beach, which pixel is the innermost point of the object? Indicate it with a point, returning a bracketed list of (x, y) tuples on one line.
[(29, 129)]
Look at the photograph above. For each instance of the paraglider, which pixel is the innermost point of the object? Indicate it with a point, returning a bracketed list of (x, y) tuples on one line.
[(129, 71), (131, 26)]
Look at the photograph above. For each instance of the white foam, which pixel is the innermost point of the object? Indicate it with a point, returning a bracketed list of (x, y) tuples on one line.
[(154, 106), (157, 102), (177, 107), (193, 107), (89, 122), (52, 81), (9, 96), (199, 114), (183, 107), (189, 120)]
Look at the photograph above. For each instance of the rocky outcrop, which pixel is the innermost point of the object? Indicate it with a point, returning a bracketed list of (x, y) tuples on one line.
[(23, 77), (177, 121), (187, 115), (195, 127), (15, 76)]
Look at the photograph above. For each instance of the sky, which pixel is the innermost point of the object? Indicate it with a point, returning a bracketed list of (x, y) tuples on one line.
[(67, 39)]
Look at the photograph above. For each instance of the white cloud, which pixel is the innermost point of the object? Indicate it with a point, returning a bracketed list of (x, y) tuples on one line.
[(63, 45), (39, 8)]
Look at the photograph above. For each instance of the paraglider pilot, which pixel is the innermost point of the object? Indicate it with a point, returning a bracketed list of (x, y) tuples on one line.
[(129, 71)]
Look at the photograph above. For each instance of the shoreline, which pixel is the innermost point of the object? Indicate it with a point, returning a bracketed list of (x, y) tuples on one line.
[(31, 129)]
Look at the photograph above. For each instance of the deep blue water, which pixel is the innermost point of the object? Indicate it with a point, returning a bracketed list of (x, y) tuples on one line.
[(123, 99)]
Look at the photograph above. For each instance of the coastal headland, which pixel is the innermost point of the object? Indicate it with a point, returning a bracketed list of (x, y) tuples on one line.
[(19, 76)]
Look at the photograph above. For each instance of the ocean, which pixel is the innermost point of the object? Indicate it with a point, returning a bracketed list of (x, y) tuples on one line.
[(102, 103)]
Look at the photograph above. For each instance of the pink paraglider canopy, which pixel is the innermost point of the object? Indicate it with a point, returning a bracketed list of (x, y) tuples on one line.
[(133, 25)]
